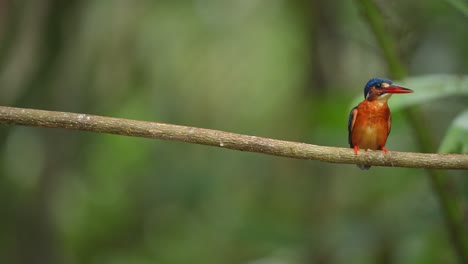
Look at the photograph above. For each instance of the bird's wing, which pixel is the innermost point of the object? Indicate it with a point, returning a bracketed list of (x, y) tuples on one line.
[(389, 124), (351, 121)]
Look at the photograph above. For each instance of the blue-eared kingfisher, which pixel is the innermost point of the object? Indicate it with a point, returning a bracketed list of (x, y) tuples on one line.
[(370, 121)]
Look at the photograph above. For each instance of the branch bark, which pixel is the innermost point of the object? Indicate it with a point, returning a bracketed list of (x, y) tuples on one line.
[(135, 128)]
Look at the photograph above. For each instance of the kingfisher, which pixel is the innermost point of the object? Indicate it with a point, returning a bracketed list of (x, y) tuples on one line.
[(370, 121)]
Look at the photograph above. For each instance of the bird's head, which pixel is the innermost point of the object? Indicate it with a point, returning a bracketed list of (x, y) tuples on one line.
[(382, 89)]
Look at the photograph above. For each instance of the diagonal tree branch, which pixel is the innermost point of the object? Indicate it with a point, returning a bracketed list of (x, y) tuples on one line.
[(134, 128)]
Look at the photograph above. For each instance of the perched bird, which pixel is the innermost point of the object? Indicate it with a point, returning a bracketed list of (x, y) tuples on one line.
[(370, 122)]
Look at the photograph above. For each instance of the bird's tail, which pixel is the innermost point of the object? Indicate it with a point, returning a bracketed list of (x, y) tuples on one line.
[(363, 167)]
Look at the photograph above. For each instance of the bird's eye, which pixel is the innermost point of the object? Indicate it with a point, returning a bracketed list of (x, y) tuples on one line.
[(379, 85)]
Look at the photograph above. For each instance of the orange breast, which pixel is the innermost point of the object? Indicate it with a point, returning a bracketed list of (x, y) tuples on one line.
[(371, 128)]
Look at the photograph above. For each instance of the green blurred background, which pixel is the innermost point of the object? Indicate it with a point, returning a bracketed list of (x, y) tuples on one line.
[(273, 68)]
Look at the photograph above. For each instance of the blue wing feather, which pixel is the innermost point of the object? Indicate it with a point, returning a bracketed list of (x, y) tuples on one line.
[(351, 120)]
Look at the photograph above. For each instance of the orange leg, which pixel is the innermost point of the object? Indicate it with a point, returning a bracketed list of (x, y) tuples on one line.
[(356, 148), (384, 149)]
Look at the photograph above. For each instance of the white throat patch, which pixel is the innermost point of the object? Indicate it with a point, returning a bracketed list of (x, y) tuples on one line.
[(384, 96)]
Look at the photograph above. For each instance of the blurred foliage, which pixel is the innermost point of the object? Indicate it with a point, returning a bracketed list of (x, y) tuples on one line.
[(456, 140), (280, 69), (460, 5)]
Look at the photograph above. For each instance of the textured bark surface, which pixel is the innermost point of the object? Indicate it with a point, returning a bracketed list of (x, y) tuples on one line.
[(134, 128)]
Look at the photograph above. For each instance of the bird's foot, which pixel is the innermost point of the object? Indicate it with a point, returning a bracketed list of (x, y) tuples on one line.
[(384, 149), (356, 149)]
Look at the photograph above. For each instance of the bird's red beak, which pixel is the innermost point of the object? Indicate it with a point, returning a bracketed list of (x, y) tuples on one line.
[(395, 89)]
